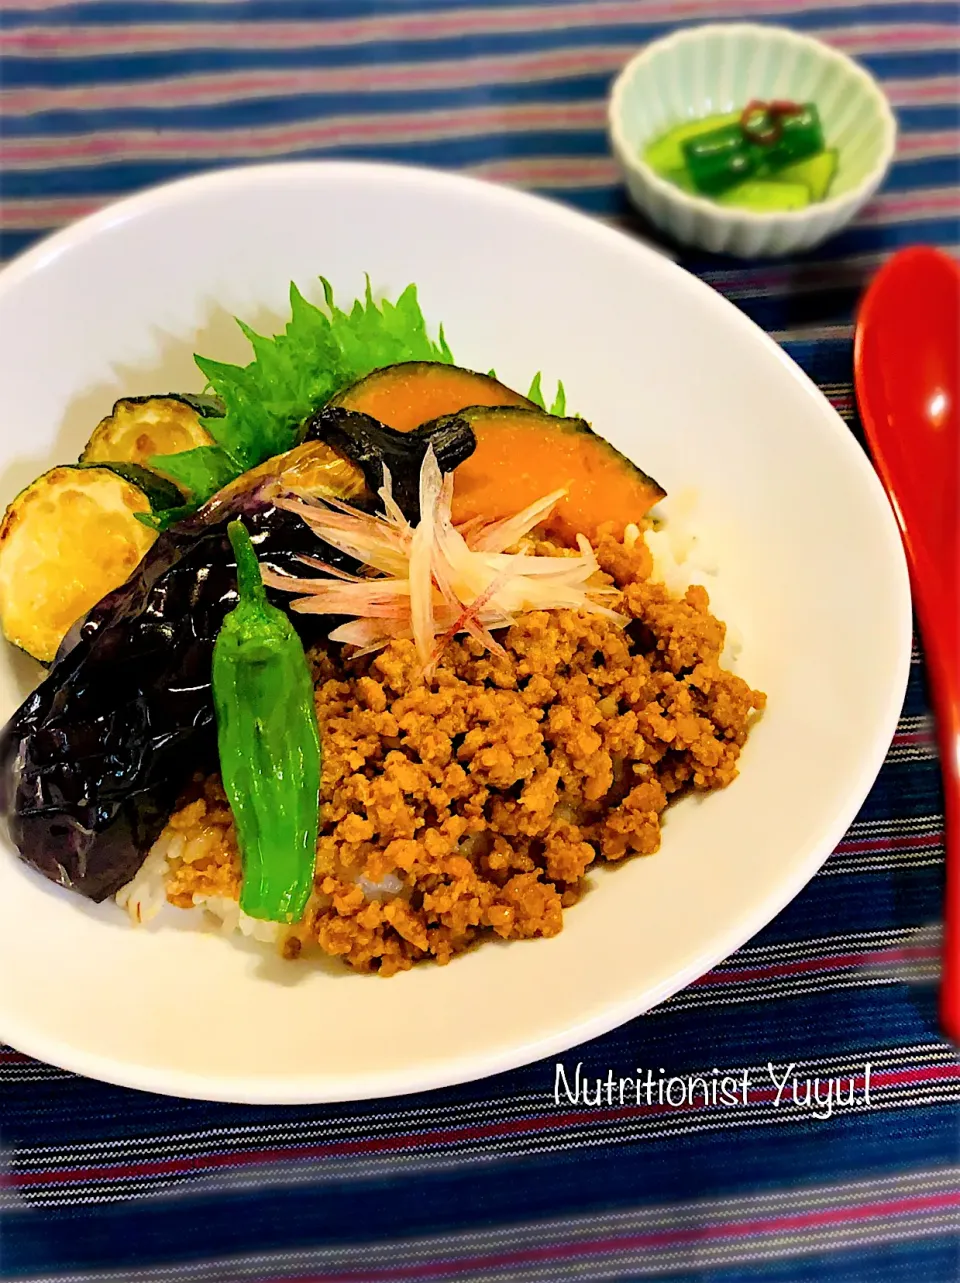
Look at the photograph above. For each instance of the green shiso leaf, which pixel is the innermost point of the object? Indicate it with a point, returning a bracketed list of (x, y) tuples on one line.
[(199, 472), (321, 351), (292, 375), (165, 518), (535, 395)]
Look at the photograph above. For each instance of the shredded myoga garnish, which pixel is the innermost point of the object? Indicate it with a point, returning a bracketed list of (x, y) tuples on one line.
[(431, 581)]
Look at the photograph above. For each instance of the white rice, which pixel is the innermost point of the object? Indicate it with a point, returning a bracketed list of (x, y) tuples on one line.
[(145, 896), (231, 918), (684, 555), (388, 886)]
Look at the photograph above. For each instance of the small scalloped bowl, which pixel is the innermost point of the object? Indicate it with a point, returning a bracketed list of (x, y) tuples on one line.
[(717, 68)]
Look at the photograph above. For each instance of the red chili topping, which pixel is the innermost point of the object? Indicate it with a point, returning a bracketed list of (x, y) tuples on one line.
[(762, 122), (785, 107)]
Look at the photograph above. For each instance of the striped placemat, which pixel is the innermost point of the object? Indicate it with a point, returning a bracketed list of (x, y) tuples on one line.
[(524, 1176)]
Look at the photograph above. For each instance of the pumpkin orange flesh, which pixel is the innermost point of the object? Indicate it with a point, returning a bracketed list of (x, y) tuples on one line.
[(515, 464), (405, 396)]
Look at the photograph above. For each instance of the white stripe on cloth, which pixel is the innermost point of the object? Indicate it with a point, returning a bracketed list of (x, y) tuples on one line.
[(936, 1064), (108, 39), (571, 62), (215, 1139), (546, 173), (95, 149), (649, 1241)]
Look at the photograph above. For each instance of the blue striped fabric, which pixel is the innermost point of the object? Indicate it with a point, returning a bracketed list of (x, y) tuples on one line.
[(498, 1179)]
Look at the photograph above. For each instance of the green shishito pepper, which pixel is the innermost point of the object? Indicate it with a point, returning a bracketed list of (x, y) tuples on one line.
[(269, 745), (720, 159), (766, 138)]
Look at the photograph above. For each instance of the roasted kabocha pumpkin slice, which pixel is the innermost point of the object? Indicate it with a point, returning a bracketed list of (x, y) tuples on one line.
[(523, 454), (139, 427), (68, 539), (404, 396)]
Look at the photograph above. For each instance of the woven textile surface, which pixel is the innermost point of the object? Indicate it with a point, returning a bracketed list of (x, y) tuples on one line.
[(497, 1180)]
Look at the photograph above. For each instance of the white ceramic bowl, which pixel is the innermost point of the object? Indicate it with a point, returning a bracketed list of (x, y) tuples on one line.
[(812, 574), (718, 68)]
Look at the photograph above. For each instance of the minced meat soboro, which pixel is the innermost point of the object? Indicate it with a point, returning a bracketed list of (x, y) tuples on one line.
[(473, 806)]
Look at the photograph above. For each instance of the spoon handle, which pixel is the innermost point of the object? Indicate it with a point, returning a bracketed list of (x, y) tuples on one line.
[(950, 983), (935, 571), (934, 563), (907, 381), (944, 669)]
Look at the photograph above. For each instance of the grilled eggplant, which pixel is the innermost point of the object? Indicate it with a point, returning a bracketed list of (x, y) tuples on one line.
[(373, 446), (94, 760)]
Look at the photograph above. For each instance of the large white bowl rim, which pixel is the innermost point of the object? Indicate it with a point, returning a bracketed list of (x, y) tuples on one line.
[(670, 372)]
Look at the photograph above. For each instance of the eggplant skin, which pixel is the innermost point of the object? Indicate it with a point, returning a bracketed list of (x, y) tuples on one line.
[(95, 758), (371, 445)]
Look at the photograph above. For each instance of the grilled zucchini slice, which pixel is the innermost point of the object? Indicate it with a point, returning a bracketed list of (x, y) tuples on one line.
[(66, 541), (139, 427)]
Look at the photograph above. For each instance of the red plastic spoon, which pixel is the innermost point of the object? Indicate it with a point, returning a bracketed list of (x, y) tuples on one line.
[(907, 370)]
